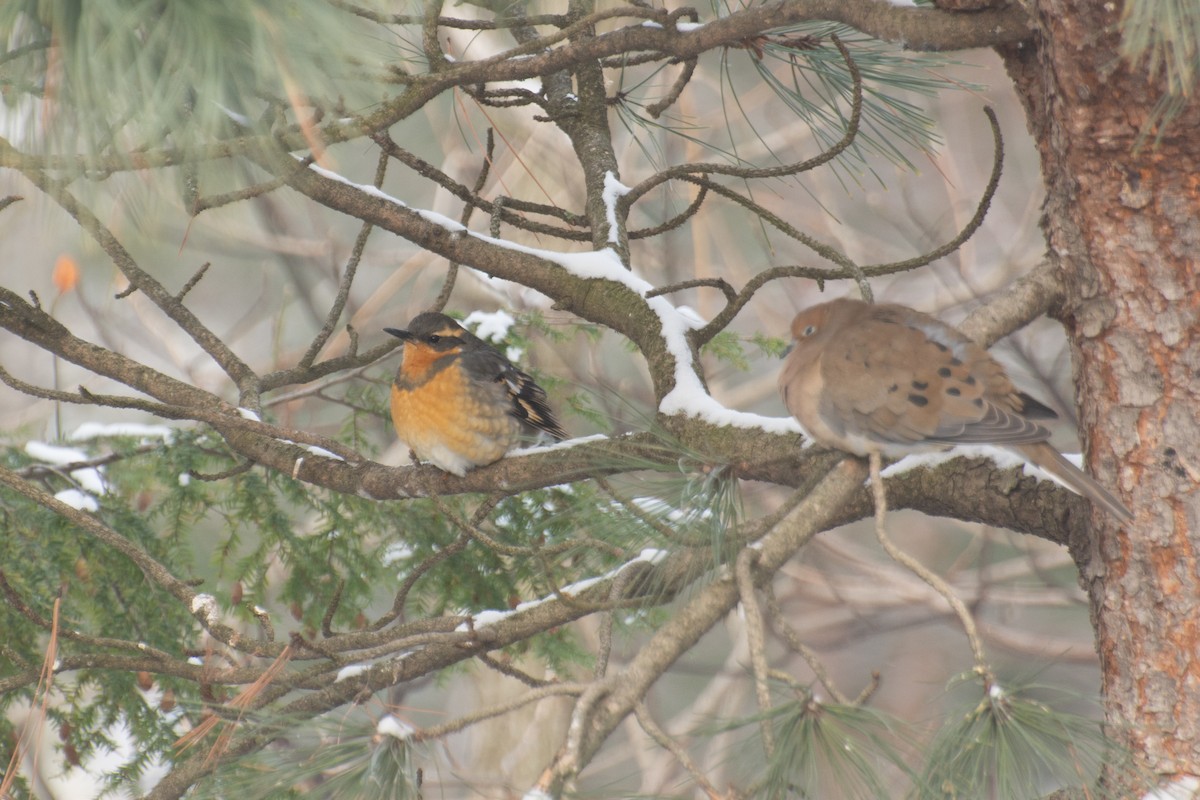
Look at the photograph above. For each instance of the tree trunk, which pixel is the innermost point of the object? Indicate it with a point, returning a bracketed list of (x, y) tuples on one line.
[(1123, 218)]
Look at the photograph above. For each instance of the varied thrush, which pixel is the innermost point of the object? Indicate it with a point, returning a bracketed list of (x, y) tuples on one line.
[(457, 402)]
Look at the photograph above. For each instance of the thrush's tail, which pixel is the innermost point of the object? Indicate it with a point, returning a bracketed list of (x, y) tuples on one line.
[(1049, 459)]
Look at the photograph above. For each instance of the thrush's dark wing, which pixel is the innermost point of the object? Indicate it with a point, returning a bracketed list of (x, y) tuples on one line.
[(530, 405), (529, 402)]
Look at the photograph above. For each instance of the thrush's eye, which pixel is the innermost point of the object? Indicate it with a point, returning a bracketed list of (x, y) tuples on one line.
[(809, 330), (434, 338)]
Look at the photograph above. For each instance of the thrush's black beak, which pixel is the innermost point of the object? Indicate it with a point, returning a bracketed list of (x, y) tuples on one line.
[(399, 334)]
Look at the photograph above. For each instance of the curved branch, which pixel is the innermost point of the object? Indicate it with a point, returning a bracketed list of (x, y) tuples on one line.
[(343, 294), (726, 315), (655, 110), (713, 283), (750, 173), (484, 170), (674, 222), (472, 198)]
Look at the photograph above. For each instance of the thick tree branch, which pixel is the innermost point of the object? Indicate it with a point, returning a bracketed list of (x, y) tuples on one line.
[(754, 455)]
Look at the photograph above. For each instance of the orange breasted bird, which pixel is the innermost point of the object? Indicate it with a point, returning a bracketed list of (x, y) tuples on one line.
[(460, 404)]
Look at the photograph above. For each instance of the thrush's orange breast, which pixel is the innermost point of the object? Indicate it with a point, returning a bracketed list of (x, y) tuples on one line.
[(450, 420)]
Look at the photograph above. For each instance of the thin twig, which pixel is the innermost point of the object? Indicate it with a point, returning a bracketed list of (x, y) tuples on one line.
[(462, 192), (513, 672), (473, 530), (557, 20), (655, 110), (464, 218), (319, 389), (217, 418), (985, 202), (331, 609), (820, 275), (674, 222), (532, 696), (607, 621), (793, 640), (749, 173), (64, 470), (715, 283), (24, 609), (756, 642), (192, 281), (238, 371), (211, 477), (646, 721), (202, 204), (920, 570), (397, 609), (39, 706), (663, 530), (869, 689), (343, 294)]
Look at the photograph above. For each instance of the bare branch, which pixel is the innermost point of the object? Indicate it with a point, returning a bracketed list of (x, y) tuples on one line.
[(484, 170), (757, 642), (664, 741), (343, 294), (716, 283), (917, 28), (921, 571), (722, 319), (780, 623), (748, 173), (195, 279), (202, 204)]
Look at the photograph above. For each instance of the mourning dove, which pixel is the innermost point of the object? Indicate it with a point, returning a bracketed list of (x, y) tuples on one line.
[(889, 379)]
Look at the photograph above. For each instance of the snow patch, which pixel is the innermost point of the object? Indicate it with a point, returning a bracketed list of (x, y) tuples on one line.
[(350, 671), (137, 430), (490, 617), (1186, 787), (396, 551), (563, 445), (692, 316), (206, 605), (1001, 457), (321, 451), (613, 190), (53, 454), (80, 501), (491, 327), (391, 726), (90, 479)]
